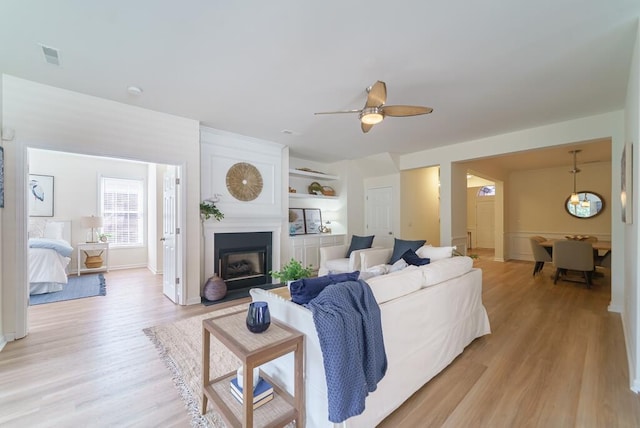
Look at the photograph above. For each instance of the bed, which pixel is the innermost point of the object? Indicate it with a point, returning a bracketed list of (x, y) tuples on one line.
[(49, 255)]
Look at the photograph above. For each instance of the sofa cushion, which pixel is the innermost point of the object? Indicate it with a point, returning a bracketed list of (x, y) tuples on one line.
[(395, 284), (412, 258), (435, 253), (337, 265), (444, 270), (401, 245), (303, 290), (359, 243)]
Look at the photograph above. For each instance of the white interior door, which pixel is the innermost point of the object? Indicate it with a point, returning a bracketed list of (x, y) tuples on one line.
[(380, 216), (171, 278), (485, 222)]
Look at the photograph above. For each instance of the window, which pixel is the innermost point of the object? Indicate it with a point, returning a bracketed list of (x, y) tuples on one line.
[(122, 209), (487, 191)]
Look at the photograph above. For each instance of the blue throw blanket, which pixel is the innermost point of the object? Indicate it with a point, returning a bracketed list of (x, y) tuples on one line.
[(349, 327), (53, 244)]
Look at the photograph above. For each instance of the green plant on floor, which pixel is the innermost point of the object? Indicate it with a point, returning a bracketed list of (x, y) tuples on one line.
[(209, 209), (292, 271)]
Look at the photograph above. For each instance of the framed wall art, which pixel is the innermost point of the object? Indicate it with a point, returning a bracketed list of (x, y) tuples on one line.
[(312, 220), (40, 195), (626, 183), (296, 221)]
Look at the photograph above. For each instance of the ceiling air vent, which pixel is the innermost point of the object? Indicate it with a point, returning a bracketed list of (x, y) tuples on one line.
[(51, 55)]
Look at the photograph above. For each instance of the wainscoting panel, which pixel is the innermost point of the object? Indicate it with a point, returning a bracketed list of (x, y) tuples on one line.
[(520, 247)]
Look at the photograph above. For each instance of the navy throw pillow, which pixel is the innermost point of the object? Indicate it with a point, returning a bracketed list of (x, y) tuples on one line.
[(359, 243), (412, 258), (400, 246), (303, 290)]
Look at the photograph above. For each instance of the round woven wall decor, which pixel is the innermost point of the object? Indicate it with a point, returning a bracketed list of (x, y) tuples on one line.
[(244, 181)]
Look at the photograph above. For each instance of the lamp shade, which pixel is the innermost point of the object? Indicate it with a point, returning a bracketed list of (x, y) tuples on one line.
[(92, 221)]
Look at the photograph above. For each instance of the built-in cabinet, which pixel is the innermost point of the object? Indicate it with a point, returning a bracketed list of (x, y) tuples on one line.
[(306, 248)]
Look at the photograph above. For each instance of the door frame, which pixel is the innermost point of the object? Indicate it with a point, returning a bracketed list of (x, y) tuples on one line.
[(22, 214)]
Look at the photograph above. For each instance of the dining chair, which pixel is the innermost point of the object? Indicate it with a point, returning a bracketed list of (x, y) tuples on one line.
[(570, 255), (540, 253)]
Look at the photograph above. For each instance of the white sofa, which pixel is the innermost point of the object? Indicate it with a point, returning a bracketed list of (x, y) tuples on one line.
[(429, 314)]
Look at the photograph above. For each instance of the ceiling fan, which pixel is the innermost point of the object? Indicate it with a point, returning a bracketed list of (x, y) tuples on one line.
[(374, 109)]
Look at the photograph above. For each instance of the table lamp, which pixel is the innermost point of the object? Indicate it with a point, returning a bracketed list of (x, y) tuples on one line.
[(92, 222)]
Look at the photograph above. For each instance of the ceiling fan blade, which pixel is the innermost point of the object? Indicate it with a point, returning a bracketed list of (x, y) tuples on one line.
[(365, 127), (405, 110), (377, 95), (338, 112)]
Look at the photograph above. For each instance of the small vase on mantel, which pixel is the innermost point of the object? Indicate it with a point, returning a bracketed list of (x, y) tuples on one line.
[(215, 288)]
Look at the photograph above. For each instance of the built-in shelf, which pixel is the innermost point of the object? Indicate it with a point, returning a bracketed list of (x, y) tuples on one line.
[(307, 174), (309, 196)]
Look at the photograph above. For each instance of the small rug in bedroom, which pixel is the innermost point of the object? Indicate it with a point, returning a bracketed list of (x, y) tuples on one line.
[(180, 347), (78, 287)]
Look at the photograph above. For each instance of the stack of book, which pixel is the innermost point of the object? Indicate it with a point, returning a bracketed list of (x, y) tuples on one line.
[(262, 393)]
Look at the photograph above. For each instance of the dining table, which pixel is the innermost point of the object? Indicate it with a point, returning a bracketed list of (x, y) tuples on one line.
[(597, 245)]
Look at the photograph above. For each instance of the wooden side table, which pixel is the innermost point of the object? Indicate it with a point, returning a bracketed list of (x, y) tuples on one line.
[(92, 246), (254, 349)]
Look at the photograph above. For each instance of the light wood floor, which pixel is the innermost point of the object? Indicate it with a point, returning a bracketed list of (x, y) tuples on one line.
[(555, 358)]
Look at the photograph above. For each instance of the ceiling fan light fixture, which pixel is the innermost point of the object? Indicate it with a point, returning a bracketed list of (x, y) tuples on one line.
[(371, 116)]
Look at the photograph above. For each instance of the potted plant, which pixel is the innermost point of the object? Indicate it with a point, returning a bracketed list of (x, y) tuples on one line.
[(209, 209), (292, 271)]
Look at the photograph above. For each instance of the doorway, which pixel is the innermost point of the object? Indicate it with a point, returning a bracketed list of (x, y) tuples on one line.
[(77, 193)]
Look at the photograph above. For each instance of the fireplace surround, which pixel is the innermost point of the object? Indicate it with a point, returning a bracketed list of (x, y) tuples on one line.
[(243, 259), (215, 231)]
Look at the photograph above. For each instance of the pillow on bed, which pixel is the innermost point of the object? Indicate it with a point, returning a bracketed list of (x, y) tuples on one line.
[(36, 228), (401, 245), (304, 290), (53, 230), (435, 253)]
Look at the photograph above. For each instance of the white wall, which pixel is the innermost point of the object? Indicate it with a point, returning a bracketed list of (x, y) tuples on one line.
[(420, 205), (76, 194), (3, 339), (629, 233), (51, 118)]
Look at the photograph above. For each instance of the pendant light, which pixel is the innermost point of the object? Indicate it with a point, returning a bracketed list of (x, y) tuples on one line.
[(575, 198), (585, 203)]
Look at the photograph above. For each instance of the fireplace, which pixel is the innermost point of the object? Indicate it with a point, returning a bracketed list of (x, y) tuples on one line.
[(243, 259)]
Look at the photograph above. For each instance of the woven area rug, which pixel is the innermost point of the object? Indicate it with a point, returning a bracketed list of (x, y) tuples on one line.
[(180, 346), (78, 287)]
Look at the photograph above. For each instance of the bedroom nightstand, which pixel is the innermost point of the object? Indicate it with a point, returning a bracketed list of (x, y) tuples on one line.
[(83, 247), (253, 349)]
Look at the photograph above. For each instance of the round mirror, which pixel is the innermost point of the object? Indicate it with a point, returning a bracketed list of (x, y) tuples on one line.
[(590, 205)]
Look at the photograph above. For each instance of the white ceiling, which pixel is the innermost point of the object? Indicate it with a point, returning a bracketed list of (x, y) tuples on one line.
[(259, 67)]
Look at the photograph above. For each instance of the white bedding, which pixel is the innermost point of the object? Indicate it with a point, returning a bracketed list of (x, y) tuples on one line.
[(47, 270)]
